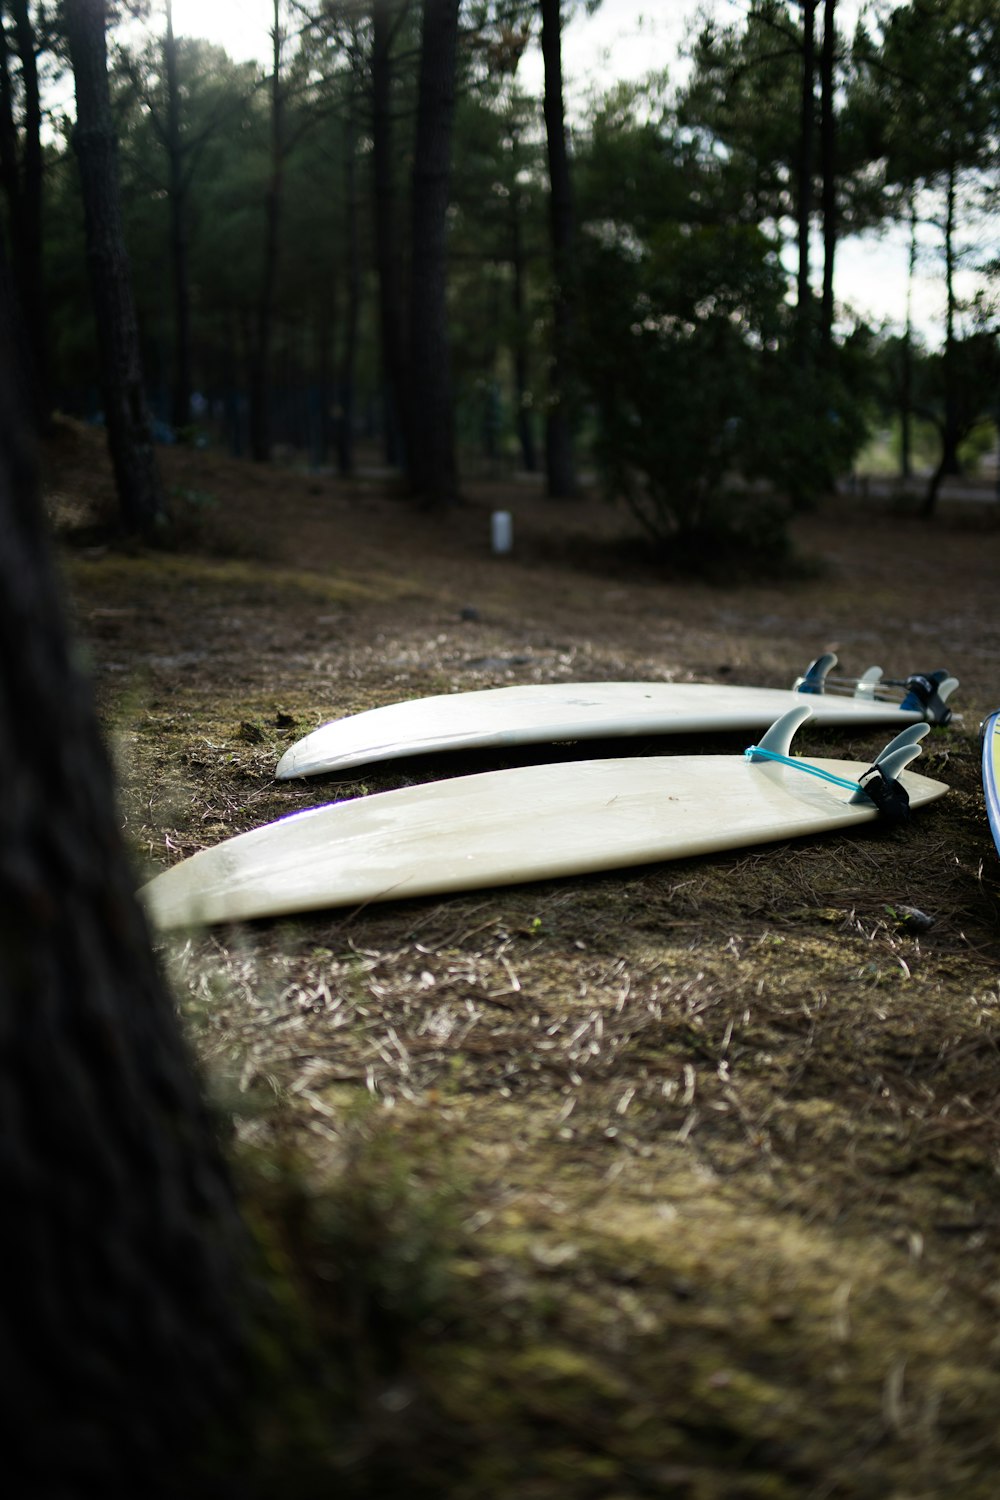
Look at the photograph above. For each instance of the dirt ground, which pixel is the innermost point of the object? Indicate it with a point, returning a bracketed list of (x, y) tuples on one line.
[(675, 1181)]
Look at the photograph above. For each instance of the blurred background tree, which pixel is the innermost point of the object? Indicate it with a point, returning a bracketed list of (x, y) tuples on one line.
[(312, 279)]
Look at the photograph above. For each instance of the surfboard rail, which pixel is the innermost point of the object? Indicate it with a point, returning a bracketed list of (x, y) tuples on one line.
[(989, 733)]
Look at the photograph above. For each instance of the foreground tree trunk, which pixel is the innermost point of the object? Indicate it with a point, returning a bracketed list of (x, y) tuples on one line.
[(431, 456), (122, 1254), (559, 447), (130, 439)]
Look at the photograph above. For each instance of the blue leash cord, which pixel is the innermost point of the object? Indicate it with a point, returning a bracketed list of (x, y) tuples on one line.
[(756, 753)]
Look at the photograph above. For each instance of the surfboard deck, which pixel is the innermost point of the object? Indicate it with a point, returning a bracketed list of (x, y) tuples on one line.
[(502, 827), (991, 773), (538, 713)]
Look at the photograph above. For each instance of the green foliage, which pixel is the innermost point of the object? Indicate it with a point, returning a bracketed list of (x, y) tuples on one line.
[(744, 97), (965, 379), (687, 197), (707, 425)]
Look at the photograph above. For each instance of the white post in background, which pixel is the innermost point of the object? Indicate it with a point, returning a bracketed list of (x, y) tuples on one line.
[(501, 532)]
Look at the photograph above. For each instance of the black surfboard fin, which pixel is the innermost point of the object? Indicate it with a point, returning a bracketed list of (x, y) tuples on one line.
[(813, 679)]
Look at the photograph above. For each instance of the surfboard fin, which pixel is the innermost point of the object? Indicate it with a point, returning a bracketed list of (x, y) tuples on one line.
[(908, 736), (867, 684), (880, 783), (778, 739), (813, 679), (929, 693)]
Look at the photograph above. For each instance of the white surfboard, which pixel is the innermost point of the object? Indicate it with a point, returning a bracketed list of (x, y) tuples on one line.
[(539, 713), (527, 823)]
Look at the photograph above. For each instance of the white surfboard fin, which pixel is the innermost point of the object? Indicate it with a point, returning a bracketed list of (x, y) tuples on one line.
[(778, 739), (908, 736), (813, 679), (868, 682)]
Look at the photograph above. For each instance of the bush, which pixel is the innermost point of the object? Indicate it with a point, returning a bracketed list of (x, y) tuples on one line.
[(706, 425)]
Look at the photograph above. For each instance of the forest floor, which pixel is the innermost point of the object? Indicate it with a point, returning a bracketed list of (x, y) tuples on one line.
[(674, 1181)]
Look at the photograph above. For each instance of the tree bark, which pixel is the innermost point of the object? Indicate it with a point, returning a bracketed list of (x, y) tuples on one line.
[(431, 457), (828, 169), (387, 246), (807, 122), (525, 427), (180, 400), (130, 440), (906, 392), (9, 168), (22, 170), (950, 434), (349, 349), (122, 1335), (560, 458), (260, 369)]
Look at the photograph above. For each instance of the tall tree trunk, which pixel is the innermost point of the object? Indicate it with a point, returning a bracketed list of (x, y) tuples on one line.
[(560, 458), (10, 176), (950, 435), (431, 455), (906, 383), (21, 169), (950, 463), (9, 166), (130, 440), (349, 351), (828, 168), (260, 374), (30, 275), (180, 398), (320, 424), (122, 1253), (807, 122), (525, 428), (387, 247)]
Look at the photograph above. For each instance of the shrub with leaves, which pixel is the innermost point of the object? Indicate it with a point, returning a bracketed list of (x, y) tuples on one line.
[(707, 424)]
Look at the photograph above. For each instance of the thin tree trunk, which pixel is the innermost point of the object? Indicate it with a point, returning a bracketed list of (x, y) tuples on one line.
[(431, 456), (9, 168), (906, 392), (349, 351), (129, 431), (320, 436), (180, 401), (260, 379), (10, 175), (950, 437), (828, 167), (122, 1252), (387, 239), (525, 428), (21, 169), (30, 275), (559, 445), (807, 120)]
